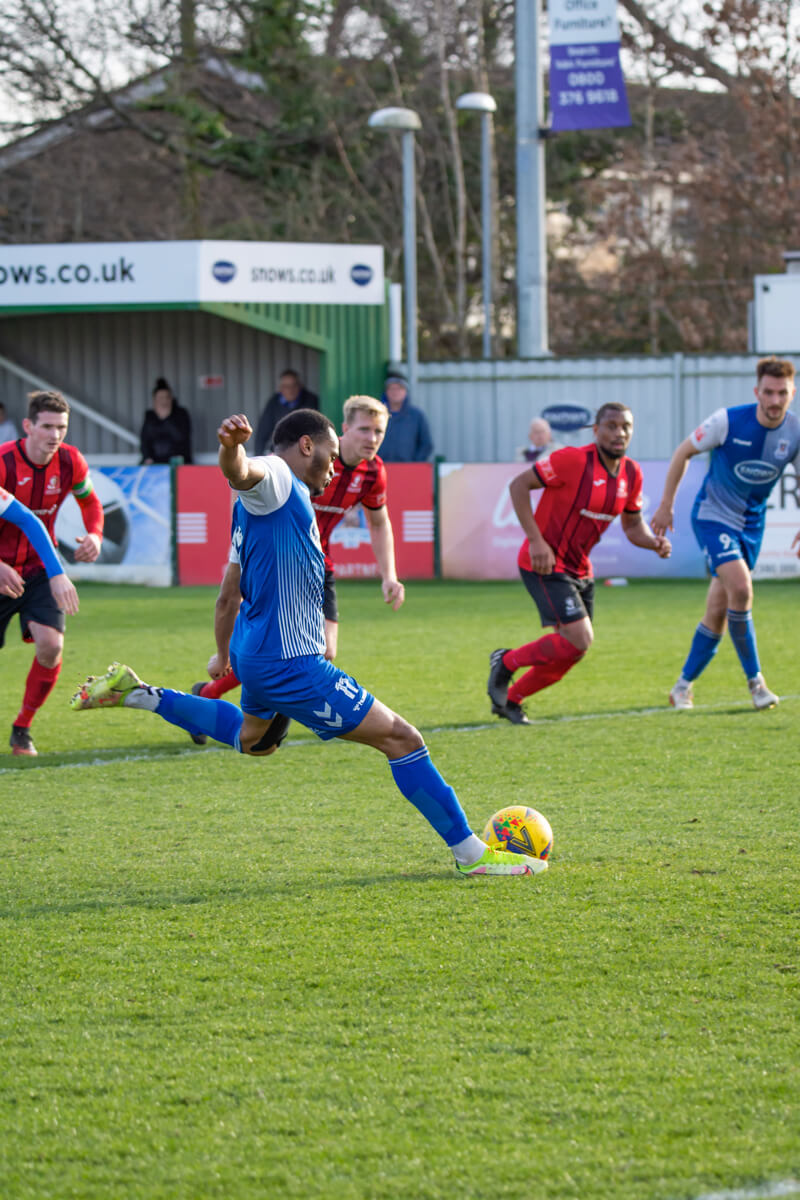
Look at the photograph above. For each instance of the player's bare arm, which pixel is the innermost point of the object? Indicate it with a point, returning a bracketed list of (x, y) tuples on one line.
[(225, 611), (381, 536), (639, 533), (664, 515), (242, 472), (542, 557)]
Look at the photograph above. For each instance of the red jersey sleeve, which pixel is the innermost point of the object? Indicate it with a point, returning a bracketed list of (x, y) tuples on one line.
[(375, 495), (559, 467), (84, 493), (635, 499)]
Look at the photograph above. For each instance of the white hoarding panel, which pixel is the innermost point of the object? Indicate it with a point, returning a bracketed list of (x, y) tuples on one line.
[(123, 273), (777, 309)]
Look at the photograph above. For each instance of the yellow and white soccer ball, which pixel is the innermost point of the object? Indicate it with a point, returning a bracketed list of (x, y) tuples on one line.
[(521, 830)]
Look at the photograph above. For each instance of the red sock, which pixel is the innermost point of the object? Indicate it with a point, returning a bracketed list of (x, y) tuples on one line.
[(550, 657), (218, 687), (38, 686)]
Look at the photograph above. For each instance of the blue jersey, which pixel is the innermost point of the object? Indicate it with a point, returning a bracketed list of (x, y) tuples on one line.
[(747, 460), (276, 539)]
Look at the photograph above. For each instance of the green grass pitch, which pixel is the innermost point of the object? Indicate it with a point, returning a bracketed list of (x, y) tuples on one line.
[(238, 979)]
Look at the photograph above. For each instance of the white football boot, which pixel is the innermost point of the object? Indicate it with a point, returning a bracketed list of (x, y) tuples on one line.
[(761, 696)]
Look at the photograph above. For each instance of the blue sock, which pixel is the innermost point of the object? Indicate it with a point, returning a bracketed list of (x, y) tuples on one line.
[(743, 636), (219, 719), (420, 782), (704, 646)]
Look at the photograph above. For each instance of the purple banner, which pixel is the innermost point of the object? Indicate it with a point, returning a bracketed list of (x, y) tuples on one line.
[(587, 90)]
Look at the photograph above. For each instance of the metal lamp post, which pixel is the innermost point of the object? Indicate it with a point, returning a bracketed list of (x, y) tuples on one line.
[(407, 122), (483, 103)]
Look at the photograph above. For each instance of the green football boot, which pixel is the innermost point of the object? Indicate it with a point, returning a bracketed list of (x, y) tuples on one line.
[(106, 691)]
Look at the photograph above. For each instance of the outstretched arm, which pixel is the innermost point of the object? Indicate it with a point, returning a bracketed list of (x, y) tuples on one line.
[(664, 515), (242, 473), (381, 537), (639, 533)]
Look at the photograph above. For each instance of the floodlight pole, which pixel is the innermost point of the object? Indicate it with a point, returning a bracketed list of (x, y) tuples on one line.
[(406, 121), (531, 211), (484, 104)]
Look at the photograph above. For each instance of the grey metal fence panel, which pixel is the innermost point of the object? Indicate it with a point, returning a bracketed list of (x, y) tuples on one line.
[(480, 411)]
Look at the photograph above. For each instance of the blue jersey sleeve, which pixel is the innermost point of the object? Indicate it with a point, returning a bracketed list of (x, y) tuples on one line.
[(36, 534)]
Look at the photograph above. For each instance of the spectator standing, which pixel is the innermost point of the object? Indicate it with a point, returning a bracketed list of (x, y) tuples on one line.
[(8, 430), (291, 394), (408, 436), (540, 441), (167, 428)]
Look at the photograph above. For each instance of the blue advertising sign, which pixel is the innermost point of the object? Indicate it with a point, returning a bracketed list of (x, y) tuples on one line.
[(587, 89)]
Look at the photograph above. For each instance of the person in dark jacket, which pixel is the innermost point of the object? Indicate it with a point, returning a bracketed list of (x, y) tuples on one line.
[(291, 395), (167, 428), (408, 436)]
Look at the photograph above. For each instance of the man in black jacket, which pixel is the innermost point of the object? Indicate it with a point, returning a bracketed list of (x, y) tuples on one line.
[(292, 395)]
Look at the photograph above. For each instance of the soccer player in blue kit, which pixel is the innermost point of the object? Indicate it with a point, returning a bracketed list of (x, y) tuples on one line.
[(278, 644), (751, 446)]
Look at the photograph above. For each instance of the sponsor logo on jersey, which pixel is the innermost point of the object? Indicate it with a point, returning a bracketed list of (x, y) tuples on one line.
[(756, 471), (740, 442), (593, 516), (355, 483), (782, 448), (53, 484)]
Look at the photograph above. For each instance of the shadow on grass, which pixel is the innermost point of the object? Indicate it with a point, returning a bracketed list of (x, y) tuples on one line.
[(188, 900)]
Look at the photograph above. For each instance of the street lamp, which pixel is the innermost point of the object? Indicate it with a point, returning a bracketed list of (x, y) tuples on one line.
[(407, 122), (483, 103)]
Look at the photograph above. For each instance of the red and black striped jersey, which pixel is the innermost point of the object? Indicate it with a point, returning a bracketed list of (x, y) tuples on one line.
[(364, 483), (43, 489), (580, 500)]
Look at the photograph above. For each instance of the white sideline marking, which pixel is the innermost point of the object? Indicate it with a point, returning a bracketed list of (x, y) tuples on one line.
[(494, 723), (787, 1187)]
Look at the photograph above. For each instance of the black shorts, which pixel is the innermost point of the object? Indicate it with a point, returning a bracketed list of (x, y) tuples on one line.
[(35, 604), (329, 606), (560, 599)]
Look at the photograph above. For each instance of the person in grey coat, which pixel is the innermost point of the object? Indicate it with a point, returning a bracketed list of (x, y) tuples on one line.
[(408, 435)]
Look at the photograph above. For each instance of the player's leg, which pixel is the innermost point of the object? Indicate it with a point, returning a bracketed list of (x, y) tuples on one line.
[(423, 786), (737, 581), (563, 603), (120, 686), (331, 639), (717, 542), (42, 624)]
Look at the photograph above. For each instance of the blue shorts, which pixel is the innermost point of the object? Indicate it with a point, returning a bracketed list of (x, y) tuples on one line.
[(721, 544), (309, 689)]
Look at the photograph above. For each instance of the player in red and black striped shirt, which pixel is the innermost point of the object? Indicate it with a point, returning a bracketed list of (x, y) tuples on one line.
[(586, 487), (41, 470)]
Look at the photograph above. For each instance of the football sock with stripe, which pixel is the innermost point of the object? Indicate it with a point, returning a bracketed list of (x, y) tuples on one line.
[(550, 657), (217, 718), (421, 784), (743, 636), (704, 646)]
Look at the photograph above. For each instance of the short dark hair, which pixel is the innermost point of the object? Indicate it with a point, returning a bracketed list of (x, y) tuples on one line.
[(290, 371), (610, 406), (161, 385), (39, 402), (778, 368), (303, 422)]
